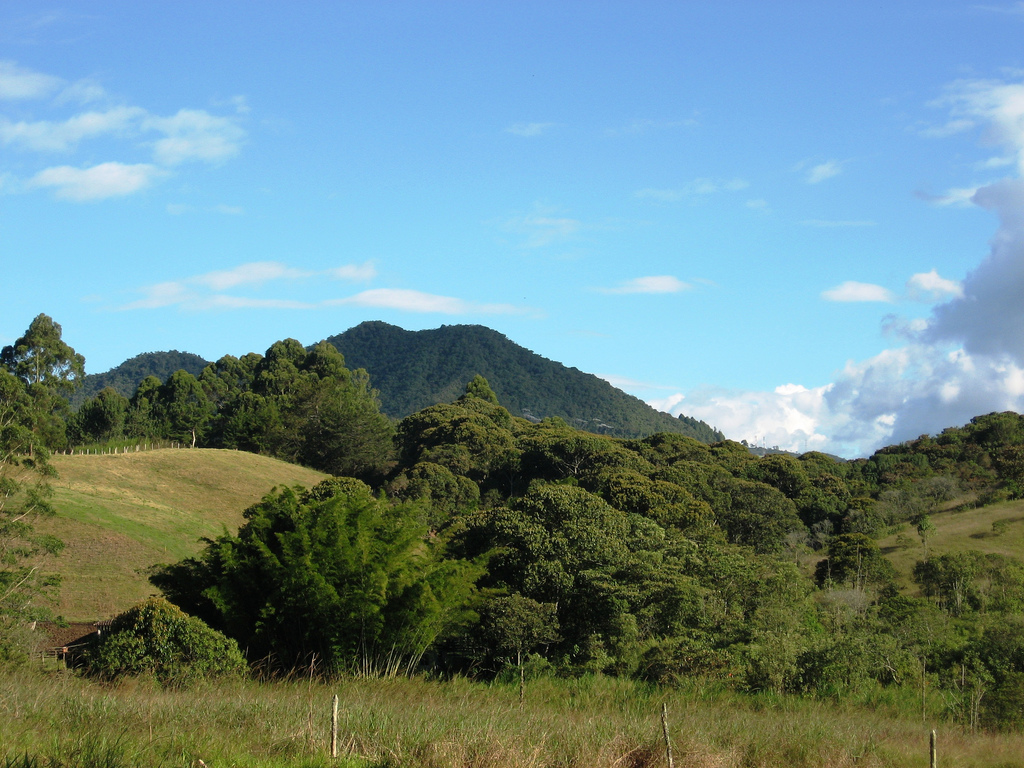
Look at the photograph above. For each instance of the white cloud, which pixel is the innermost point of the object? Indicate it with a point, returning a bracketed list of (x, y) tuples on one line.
[(20, 83), (660, 195), (194, 134), (999, 105), (667, 404), (98, 182), (416, 301), (653, 284), (542, 228), (894, 396), (957, 197), (637, 127), (82, 92), (699, 187), (189, 134), (246, 302), (852, 291), (161, 295), (930, 287), (253, 273), (994, 162), (529, 130), (950, 128), (203, 292), (355, 272), (789, 417), (823, 171), (45, 136)]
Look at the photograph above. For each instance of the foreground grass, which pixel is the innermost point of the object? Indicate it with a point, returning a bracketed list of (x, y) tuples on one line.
[(118, 515), (61, 721)]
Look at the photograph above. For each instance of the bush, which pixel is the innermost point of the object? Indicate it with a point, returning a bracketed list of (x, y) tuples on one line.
[(158, 638)]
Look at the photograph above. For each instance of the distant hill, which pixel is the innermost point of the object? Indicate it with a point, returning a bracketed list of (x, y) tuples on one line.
[(416, 369), (125, 378)]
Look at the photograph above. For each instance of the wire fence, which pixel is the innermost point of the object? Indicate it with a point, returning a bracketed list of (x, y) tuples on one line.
[(109, 450)]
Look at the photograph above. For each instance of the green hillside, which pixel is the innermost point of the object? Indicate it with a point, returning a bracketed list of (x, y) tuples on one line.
[(416, 369), (996, 529), (125, 378), (121, 514)]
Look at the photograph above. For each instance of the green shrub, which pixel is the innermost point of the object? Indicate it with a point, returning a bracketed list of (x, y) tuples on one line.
[(158, 638)]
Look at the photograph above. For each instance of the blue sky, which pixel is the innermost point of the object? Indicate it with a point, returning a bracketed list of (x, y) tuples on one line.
[(802, 222)]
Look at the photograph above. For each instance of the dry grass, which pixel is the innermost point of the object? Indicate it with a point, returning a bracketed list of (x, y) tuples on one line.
[(588, 723), (121, 514)]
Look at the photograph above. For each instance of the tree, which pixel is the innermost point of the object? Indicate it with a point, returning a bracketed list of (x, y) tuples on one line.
[(24, 496), (925, 529), (333, 575), (478, 387), (854, 560), (758, 516), (158, 638), (100, 418), (513, 626), (182, 408), (50, 371), (42, 357), (342, 429), (140, 420)]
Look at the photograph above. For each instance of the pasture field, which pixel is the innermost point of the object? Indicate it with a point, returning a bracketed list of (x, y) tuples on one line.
[(992, 529), (59, 720), (119, 515)]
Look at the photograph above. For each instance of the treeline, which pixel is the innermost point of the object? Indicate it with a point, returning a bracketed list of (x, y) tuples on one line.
[(466, 539), (303, 406), (125, 378)]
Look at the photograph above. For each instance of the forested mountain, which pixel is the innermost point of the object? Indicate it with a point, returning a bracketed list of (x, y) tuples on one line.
[(126, 377), (416, 369)]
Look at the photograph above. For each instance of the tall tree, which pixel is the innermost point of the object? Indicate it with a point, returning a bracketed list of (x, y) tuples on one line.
[(183, 407), (24, 496), (50, 371), (42, 357)]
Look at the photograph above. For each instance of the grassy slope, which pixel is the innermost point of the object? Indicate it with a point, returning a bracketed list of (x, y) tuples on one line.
[(119, 515), (958, 532)]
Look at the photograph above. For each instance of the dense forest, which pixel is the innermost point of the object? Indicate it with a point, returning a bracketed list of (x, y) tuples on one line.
[(468, 539), (416, 369)]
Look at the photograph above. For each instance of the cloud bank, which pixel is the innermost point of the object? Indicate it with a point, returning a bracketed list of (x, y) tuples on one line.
[(965, 359), (189, 135), (207, 292)]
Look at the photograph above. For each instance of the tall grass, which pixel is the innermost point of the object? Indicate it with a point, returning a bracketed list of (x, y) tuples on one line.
[(61, 721)]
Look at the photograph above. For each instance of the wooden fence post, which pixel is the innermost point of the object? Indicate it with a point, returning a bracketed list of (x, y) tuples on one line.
[(334, 728), (664, 730), (932, 762)]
